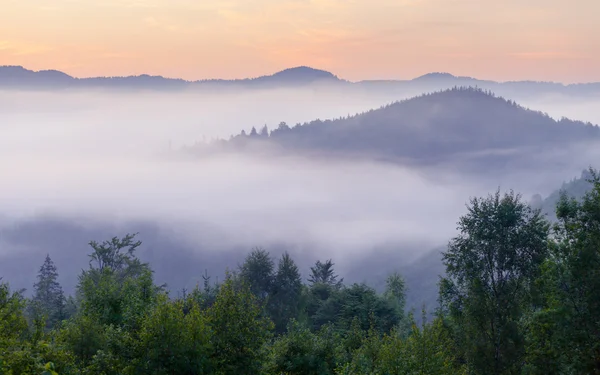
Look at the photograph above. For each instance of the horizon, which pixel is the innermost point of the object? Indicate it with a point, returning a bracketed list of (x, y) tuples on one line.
[(540, 41), (337, 76)]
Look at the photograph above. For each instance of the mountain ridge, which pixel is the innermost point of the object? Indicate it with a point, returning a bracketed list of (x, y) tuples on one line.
[(464, 124), (16, 76)]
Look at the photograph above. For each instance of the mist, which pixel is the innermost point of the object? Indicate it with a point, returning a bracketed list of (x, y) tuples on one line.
[(88, 165)]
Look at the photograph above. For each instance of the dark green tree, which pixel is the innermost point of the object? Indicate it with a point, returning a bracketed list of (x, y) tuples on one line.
[(302, 352), (491, 268), (395, 291), (117, 255), (287, 291), (257, 272), (49, 299), (565, 334), (323, 273)]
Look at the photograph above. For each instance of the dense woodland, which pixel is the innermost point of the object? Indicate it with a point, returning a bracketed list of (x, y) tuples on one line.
[(519, 296)]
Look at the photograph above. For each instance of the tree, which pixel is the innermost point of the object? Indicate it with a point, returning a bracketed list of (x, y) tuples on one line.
[(287, 289), (323, 273), (395, 291), (426, 351), (565, 335), (253, 132), (117, 255), (258, 272), (49, 299), (264, 132), (174, 342), (491, 268), (240, 329), (302, 352)]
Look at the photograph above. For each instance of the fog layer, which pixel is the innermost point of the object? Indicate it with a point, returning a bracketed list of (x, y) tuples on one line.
[(88, 164)]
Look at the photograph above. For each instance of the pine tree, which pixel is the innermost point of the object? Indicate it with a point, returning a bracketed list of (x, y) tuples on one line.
[(287, 289), (323, 273), (258, 272), (264, 132), (49, 298)]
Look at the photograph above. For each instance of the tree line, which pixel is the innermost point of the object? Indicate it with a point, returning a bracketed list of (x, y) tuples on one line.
[(520, 295)]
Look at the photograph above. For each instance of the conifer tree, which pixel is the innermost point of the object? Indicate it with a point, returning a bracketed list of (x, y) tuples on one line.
[(49, 298), (323, 273)]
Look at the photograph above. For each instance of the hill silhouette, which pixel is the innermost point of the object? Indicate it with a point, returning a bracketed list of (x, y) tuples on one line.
[(17, 77), (459, 123)]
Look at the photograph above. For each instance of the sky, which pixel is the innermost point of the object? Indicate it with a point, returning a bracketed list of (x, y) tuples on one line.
[(550, 40)]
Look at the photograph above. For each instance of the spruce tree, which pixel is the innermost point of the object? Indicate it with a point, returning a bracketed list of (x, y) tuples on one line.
[(285, 302), (322, 273), (49, 298)]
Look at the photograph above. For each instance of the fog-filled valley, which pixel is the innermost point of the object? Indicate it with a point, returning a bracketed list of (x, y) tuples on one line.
[(81, 165)]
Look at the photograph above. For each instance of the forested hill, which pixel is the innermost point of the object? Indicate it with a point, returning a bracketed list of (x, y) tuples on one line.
[(575, 188), (460, 122)]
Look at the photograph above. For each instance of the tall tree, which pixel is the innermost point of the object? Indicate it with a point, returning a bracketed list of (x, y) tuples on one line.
[(287, 289), (48, 298), (258, 272), (566, 334), (395, 291), (118, 287), (491, 267)]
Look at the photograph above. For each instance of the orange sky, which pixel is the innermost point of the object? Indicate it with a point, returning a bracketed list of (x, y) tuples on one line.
[(556, 40)]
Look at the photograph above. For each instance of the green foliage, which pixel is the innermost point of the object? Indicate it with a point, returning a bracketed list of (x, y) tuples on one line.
[(241, 328), (323, 273), (514, 301), (395, 291), (119, 288), (286, 300), (49, 299), (341, 305), (302, 352), (257, 271), (427, 351), (174, 342), (491, 271), (565, 334)]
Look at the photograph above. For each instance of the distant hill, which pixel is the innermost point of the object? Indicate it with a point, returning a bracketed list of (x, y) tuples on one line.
[(17, 77), (575, 188), (467, 124)]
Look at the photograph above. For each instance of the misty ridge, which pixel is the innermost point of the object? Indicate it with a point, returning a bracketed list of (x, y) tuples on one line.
[(378, 191), (464, 124), (20, 78)]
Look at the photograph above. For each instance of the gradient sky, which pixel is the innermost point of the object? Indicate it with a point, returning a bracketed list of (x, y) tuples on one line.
[(556, 40)]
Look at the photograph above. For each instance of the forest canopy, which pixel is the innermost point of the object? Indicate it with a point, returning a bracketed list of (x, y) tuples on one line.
[(519, 296)]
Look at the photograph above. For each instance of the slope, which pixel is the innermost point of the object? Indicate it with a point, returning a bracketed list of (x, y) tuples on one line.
[(459, 123)]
